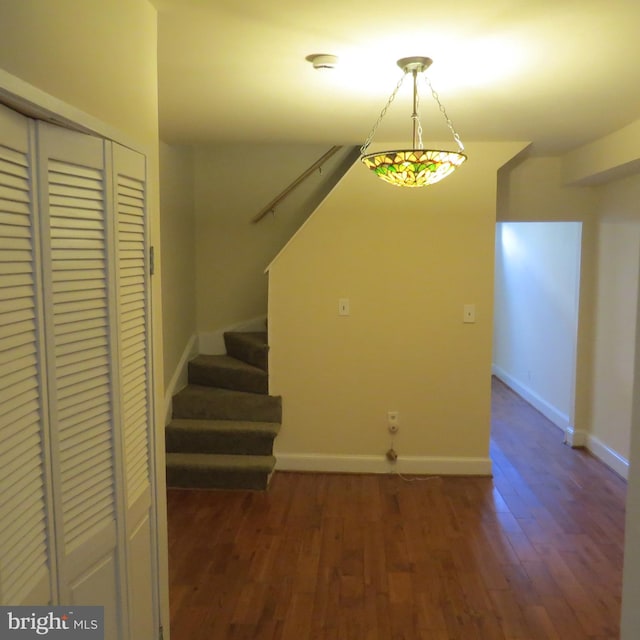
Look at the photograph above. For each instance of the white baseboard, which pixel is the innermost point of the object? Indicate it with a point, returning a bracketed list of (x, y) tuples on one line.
[(545, 408), (212, 343), (576, 437), (422, 465), (607, 455), (179, 379)]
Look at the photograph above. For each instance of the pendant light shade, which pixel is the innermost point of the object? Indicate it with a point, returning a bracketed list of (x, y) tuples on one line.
[(413, 167)]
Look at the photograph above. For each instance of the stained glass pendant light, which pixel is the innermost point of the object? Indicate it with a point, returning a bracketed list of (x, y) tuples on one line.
[(415, 167)]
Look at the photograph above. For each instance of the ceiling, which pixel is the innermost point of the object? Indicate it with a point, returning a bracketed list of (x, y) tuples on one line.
[(558, 73)]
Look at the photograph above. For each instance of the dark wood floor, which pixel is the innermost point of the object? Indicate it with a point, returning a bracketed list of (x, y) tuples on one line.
[(535, 553)]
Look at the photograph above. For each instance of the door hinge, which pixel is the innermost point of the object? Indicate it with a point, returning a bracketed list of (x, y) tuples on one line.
[(160, 633), (152, 260)]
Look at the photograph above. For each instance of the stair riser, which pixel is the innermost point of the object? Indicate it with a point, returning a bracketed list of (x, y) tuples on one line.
[(237, 347), (265, 412), (228, 379), (224, 443), (216, 479)]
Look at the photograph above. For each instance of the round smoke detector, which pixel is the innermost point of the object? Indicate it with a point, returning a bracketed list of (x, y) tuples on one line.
[(323, 61)]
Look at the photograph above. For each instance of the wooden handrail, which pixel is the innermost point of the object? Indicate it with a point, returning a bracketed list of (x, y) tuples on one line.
[(281, 196)]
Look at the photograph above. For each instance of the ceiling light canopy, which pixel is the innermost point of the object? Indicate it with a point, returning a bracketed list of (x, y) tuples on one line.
[(415, 167)]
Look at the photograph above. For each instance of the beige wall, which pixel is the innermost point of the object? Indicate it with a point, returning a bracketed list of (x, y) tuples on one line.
[(610, 157), (177, 220), (232, 253), (533, 190), (631, 578), (618, 266), (97, 56), (408, 260), (100, 60)]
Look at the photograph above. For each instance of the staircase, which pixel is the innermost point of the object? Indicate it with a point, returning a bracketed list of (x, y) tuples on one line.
[(224, 422)]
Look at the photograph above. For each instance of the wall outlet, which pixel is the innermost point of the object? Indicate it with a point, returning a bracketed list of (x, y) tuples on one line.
[(393, 421), (392, 456)]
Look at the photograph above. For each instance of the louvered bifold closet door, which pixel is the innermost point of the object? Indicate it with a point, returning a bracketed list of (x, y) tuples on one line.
[(80, 317), (134, 391), (25, 532)]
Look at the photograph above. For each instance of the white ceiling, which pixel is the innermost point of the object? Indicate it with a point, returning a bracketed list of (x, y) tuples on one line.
[(558, 73)]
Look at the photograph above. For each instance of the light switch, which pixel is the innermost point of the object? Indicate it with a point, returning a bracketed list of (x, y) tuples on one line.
[(469, 313), (343, 307)]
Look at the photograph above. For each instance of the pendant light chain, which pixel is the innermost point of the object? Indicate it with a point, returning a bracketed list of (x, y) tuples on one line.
[(436, 97), (420, 142), (392, 97)]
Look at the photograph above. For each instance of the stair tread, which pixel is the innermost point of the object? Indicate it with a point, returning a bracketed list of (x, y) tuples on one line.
[(221, 461), (195, 424), (219, 391), (214, 403)]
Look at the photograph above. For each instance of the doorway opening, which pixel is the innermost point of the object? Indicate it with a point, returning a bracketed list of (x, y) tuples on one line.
[(537, 294)]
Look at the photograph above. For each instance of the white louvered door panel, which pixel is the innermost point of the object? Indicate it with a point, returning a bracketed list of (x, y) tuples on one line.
[(25, 531), (130, 206), (134, 384), (79, 308)]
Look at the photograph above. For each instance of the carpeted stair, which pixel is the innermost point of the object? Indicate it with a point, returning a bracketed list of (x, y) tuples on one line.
[(224, 421)]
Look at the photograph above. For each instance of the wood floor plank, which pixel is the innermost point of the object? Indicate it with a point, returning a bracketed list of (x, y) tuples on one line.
[(534, 553)]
